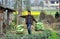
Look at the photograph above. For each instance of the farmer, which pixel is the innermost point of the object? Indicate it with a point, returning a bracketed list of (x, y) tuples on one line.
[(29, 21)]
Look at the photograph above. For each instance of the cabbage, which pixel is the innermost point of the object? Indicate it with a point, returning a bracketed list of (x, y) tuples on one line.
[(39, 26), (19, 29)]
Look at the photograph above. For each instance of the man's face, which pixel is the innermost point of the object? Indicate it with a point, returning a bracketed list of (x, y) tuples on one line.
[(29, 13)]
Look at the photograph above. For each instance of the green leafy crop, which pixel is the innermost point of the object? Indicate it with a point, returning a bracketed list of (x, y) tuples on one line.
[(19, 29), (39, 26)]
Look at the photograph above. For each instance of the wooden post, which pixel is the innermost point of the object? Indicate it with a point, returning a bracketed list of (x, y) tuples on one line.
[(8, 11), (7, 18), (1, 23)]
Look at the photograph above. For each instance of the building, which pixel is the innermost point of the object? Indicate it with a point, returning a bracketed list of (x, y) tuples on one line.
[(51, 3)]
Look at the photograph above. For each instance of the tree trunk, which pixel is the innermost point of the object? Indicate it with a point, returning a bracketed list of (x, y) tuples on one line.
[(8, 19), (19, 20), (59, 6)]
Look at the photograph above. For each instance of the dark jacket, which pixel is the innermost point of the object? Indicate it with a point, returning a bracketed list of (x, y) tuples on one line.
[(31, 20)]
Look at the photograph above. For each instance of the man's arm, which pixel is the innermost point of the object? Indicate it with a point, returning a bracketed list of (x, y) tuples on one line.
[(34, 19), (23, 16)]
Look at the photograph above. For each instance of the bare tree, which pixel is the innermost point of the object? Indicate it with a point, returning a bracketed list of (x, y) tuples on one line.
[(28, 5), (41, 4), (19, 5)]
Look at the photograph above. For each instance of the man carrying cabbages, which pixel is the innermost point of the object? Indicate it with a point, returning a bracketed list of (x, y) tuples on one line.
[(29, 21)]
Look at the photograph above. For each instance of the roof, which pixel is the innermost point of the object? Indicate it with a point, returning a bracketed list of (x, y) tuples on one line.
[(10, 10), (53, 0), (2, 8), (6, 8)]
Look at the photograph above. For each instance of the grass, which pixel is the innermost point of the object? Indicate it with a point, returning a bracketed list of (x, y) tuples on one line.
[(46, 34)]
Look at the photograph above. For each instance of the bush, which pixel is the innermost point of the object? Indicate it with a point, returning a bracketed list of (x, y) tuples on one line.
[(54, 36), (49, 19), (12, 26), (42, 16)]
